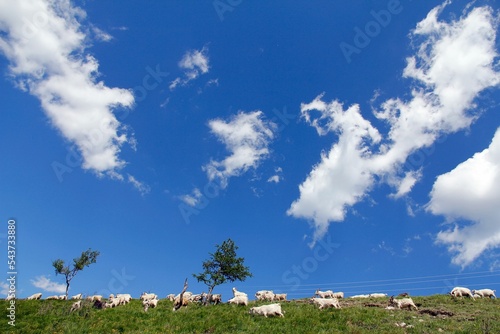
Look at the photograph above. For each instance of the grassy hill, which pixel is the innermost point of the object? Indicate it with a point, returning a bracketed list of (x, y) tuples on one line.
[(436, 314)]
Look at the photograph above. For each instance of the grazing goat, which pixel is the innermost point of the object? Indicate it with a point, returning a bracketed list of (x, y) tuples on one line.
[(461, 292), (99, 304), (214, 298), (378, 295), (360, 296), (239, 300), (124, 297), (237, 293), (147, 303), (264, 295), (280, 296), (94, 298), (76, 306), (147, 296), (338, 295), (324, 294), (77, 297), (35, 296), (177, 302), (326, 302), (266, 310), (402, 303), (113, 302), (488, 293)]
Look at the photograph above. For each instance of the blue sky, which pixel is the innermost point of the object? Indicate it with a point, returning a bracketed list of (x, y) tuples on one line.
[(342, 145)]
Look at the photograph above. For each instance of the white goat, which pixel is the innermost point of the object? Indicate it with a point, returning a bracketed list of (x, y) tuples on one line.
[(77, 297), (147, 296), (265, 310), (461, 292), (264, 295), (324, 294), (403, 303), (76, 306), (338, 295), (326, 302), (488, 293), (378, 295), (237, 293), (147, 303), (239, 300), (35, 296), (280, 296)]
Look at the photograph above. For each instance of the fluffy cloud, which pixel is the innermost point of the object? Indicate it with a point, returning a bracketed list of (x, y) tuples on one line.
[(192, 199), (246, 137), (342, 176), (140, 186), (46, 284), (470, 192), (276, 178), (453, 63), (45, 45), (4, 288), (193, 63)]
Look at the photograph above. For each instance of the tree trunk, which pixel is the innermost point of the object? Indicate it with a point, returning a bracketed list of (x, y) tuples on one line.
[(209, 295), (181, 296), (67, 288)]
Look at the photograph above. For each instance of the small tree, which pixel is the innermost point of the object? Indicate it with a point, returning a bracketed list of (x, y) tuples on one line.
[(222, 266), (86, 259)]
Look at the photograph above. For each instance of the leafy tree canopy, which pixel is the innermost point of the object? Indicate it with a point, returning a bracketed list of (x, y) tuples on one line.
[(223, 266), (86, 259)]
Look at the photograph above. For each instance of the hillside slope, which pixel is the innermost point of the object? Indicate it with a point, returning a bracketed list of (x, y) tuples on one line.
[(436, 314)]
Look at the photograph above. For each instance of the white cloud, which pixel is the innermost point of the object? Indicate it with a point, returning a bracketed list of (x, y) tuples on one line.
[(140, 186), (212, 82), (342, 176), (4, 288), (453, 63), (246, 137), (382, 247), (46, 284), (45, 45), (175, 83), (192, 199), (406, 183), (274, 178), (101, 35), (193, 63), (470, 192)]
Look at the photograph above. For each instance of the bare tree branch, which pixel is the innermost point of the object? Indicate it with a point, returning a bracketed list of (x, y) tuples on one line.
[(178, 303)]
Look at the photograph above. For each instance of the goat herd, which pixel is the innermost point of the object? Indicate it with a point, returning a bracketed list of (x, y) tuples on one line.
[(322, 299)]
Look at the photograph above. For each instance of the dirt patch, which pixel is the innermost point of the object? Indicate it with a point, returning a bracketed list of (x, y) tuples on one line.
[(436, 313), (374, 305)]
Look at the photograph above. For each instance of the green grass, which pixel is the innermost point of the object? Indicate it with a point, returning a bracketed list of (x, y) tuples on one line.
[(52, 316)]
